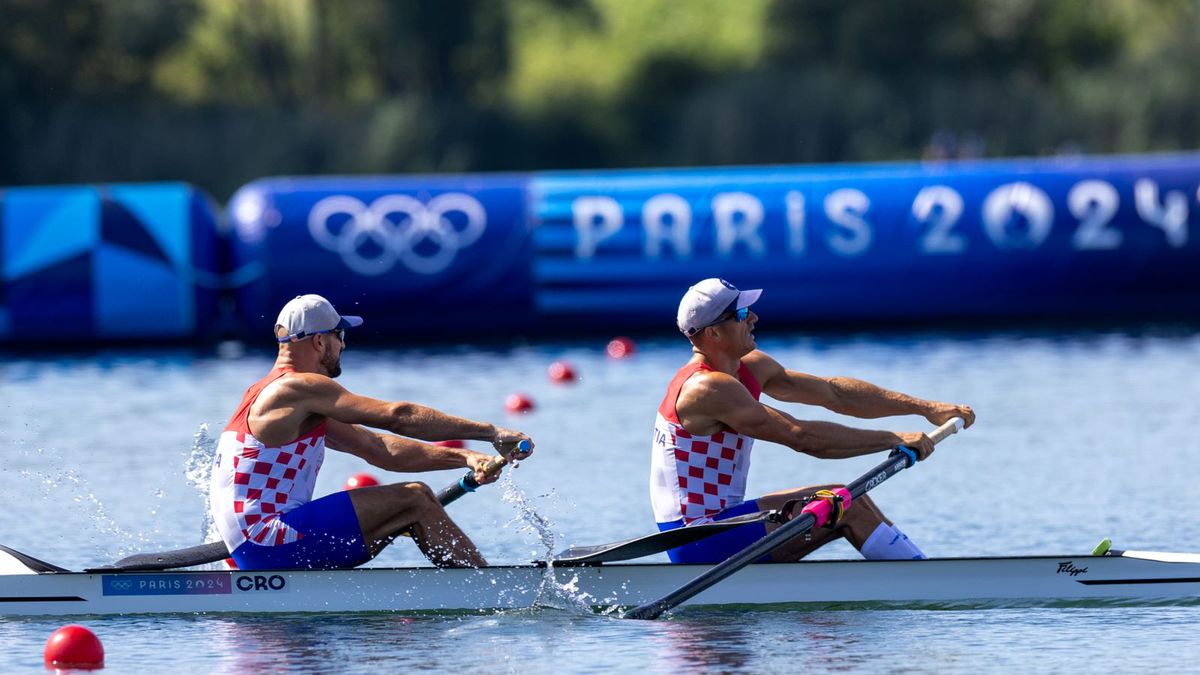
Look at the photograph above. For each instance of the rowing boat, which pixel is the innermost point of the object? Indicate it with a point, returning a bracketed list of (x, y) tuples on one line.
[(30, 587), (586, 576)]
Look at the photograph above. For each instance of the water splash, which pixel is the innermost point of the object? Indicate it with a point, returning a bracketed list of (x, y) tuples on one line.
[(198, 470), (68, 488), (551, 593)]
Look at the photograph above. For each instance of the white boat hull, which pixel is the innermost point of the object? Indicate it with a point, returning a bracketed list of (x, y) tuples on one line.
[(939, 582)]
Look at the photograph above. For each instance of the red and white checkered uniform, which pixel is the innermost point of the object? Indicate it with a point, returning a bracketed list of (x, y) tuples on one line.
[(694, 477), (253, 484)]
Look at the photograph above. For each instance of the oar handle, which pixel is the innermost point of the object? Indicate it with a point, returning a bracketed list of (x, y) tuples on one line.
[(468, 483), (949, 428)]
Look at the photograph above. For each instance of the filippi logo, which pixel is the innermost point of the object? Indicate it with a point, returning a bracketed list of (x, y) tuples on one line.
[(1069, 567), (423, 237)]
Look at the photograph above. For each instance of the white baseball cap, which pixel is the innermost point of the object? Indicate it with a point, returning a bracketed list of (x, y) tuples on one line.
[(705, 302), (307, 315)]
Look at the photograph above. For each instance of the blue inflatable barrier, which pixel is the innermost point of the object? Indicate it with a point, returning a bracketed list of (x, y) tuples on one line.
[(415, 256), (497, 255), (107, 262), (1058, 237)]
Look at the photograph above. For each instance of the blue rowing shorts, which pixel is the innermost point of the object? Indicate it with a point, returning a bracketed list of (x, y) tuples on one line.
[(330, 539), (718, 547)]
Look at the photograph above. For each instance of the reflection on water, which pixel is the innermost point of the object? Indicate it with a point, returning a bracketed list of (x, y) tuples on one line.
[(710, 643), (272, 644), (998, 640)]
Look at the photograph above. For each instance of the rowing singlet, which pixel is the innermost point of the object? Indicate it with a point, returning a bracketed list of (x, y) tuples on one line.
[(253, 484), (692, 478)]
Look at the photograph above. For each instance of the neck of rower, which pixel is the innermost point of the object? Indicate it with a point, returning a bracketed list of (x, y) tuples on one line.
[(716, 359), (298, 359)]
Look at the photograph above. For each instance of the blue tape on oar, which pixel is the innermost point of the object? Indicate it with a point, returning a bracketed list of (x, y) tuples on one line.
[(909, 453), (467, 486)]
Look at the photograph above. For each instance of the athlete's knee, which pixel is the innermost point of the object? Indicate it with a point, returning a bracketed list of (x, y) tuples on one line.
[(864, 509), (419, 492)]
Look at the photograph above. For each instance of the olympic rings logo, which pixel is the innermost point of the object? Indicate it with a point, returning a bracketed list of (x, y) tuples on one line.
[(425, 238)]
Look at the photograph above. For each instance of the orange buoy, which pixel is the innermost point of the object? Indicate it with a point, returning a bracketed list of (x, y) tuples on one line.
[(518, 403), (561, 371), (359, 480), (450, 444), (620, 348), (74, 646)]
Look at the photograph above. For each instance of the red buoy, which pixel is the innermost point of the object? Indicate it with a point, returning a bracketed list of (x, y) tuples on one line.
[(359, 480), (518, 403), (450, 444), (74, 646), (561, 371), (620, 348)]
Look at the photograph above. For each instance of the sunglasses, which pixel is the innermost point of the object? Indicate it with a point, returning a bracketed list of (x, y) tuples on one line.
[(339, 332), (739, 316)]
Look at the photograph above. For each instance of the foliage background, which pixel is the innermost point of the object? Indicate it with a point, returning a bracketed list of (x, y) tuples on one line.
[(220, 92)]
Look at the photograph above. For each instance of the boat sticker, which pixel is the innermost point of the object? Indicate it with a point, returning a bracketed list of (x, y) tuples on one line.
[(260, 582), (191, 583), (1069, 567)]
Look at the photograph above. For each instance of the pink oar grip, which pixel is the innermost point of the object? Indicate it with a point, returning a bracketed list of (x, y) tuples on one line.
[(822, 509)]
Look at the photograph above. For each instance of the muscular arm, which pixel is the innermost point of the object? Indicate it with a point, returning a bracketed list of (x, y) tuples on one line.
[(305, 394), (720, 397), (846, 395), (394, 453), (293, 404)]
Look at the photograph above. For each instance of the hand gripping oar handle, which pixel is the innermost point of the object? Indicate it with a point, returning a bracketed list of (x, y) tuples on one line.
[(468, 483), (900, 459)]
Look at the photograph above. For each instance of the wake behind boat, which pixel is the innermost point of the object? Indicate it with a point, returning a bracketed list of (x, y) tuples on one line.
[(30, 587)]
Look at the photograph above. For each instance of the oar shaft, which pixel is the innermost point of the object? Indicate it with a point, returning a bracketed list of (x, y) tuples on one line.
[(784, 533), (468, 483)]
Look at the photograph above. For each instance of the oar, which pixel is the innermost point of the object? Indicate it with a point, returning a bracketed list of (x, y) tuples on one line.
[(468, 483), (898, 460), (653, 543), (214, 551)]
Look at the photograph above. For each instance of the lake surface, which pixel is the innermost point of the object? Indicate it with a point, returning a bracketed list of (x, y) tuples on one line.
[(1080, 435)]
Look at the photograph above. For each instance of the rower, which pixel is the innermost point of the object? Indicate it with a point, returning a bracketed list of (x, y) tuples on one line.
[(269, 455), (711, 415)]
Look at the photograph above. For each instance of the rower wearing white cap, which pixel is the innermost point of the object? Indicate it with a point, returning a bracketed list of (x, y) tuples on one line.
[(269, 455), (711, 415)]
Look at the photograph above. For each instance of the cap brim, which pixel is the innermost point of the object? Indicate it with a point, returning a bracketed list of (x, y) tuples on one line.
[(747, 298), (350, 322)]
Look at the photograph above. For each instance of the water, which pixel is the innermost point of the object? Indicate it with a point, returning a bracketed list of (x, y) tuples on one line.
[(1080, 436)]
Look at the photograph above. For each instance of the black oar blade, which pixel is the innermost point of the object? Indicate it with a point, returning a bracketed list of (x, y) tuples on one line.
[(651, 544), (169, 560), (32, 563)]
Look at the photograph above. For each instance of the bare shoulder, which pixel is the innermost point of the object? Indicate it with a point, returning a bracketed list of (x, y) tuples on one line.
[(300, 386), (762, 365), (710, 389)]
